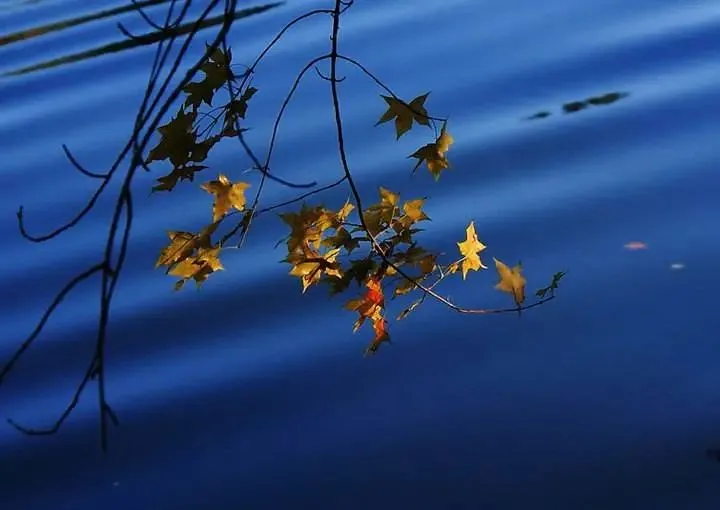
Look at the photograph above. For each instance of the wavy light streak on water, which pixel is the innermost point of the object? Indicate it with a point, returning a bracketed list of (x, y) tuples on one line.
[(249, 395)]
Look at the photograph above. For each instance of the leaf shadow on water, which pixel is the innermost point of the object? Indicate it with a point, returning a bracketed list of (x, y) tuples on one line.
[(576, 106), (127, 43)]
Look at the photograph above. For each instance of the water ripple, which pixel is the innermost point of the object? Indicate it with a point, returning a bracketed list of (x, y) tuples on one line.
[(253, 395)]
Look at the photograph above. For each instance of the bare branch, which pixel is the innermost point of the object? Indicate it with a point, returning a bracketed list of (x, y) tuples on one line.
[(68, 410), (8, 366), (147, 119)]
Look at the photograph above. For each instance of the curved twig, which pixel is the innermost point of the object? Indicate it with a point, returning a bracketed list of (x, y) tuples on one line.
[(251, 154), (327, 78), (386, 88), (147, 19), (278, 36), (80, 168), (68, 410), (124, 31)]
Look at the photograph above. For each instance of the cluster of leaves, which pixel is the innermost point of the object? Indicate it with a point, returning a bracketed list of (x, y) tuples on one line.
[(323, 244), (184, 142), (433, 154)]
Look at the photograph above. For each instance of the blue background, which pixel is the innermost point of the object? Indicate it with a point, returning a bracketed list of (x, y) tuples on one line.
[(247, 394)]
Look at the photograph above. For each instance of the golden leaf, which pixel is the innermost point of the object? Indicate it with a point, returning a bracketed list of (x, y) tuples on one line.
[(198, 267), (405, 113), (413, 210), (181, 246), (470, 248), (511, 281), (310, 269), (344, 211), (434, 154), (227, 195)]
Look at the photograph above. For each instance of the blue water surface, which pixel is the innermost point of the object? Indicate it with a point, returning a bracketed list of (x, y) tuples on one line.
[(248, 394)]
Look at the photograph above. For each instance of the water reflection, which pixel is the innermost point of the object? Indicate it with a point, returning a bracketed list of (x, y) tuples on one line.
[(576, 106), (125, 44), (8, 6), (23, 35)]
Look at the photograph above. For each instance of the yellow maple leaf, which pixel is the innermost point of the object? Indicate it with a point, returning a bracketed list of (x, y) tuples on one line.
[(308, 225), (469, 249), (227, 195), (198, 267), (413, 213), (511, 281), (405, 113), (434, 154), (378, 216), (310, 269), (388, 198), (344, 211), (182, 244), (413, 210)]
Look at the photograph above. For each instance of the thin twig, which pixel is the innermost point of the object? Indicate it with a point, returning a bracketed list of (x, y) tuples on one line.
[(80, 168), (8, 366)]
